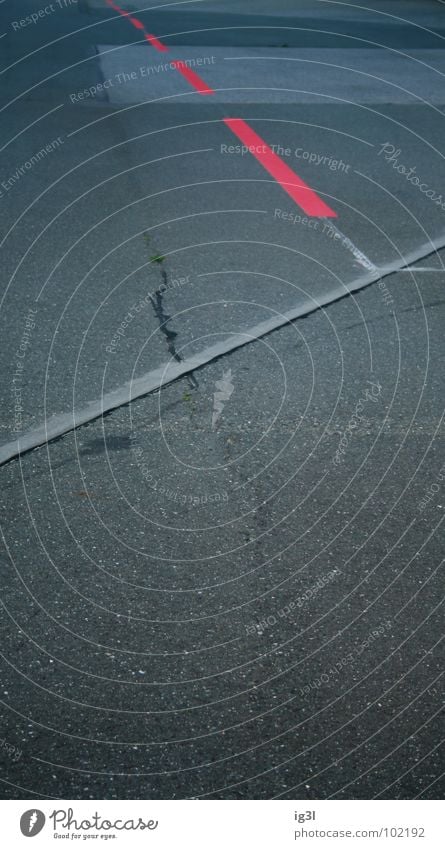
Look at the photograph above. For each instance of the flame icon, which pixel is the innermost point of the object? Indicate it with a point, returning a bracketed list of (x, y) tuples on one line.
[(225, 388), (32, 822)]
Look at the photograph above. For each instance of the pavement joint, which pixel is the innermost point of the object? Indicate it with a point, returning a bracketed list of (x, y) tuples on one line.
[(59, 425)]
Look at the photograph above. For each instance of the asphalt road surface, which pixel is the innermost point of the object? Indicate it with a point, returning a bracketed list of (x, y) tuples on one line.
[(221, 247)]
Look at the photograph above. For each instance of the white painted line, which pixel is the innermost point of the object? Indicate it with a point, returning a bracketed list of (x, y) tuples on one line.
[(361, 258), (436, 270), (4, 34), (59, 425)]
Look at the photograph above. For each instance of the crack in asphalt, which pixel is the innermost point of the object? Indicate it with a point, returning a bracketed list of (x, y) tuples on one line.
[(58, 425), (170, 335)]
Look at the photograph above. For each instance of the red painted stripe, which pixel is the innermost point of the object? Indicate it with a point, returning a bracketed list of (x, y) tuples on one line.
[(117, 8), (136, 23), (295, 187), (139, 25), (192, 78), (298, 190), (156, 43)]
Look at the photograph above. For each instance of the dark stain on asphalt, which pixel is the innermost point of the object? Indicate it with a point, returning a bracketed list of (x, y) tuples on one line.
[(111, 443)]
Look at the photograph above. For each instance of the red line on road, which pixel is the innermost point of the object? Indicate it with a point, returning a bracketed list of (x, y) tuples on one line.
[(295, 187), (158, 45), (139, 25), (298, 190), (194, 79), (117, 8), (136, 23)]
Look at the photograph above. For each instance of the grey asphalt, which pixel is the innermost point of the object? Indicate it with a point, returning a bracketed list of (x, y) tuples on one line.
[(125, 167), (149, 645), (252, 608)]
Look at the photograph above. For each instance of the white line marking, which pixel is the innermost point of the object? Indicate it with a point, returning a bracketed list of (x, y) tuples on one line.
[(58, 425), (361, 258)]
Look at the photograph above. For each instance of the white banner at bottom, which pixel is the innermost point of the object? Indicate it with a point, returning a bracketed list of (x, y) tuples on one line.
[(217, 824), (221, 824)]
